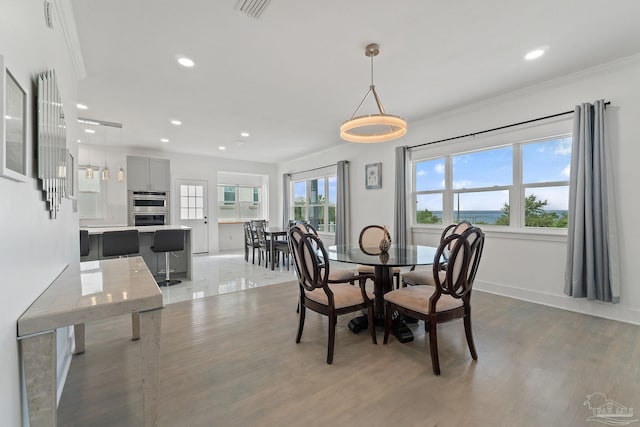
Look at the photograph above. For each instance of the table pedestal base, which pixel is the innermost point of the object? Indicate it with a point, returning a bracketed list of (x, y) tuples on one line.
[(398, 328)]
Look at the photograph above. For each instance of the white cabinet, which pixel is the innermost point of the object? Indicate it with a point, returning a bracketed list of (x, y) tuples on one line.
[(146, 174)]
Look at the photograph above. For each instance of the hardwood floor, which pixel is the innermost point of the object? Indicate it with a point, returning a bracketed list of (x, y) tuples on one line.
[(232, 360)]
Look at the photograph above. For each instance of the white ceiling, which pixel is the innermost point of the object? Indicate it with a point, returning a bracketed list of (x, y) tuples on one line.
[(291, 77)]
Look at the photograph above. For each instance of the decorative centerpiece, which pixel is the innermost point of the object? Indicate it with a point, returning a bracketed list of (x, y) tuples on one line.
[(385, 243)]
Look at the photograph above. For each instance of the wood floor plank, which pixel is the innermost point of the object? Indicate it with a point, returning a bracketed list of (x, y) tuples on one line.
[(232, 360)]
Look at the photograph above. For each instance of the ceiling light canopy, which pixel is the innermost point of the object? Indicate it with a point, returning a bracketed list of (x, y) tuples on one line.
[(165, 140), (81, 107), (176, 122), (373, 127)]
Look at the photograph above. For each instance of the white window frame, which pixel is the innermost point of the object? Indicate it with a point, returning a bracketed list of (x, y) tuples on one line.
[(236, 204), (516, 189)]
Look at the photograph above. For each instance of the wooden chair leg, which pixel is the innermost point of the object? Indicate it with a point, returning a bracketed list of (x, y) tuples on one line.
[(302, 310), (433, 344), (388, 309), (333, 319), (469, 334), (372, 325)]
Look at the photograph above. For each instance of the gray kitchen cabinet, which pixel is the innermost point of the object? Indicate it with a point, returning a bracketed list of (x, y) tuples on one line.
[(148, 174)]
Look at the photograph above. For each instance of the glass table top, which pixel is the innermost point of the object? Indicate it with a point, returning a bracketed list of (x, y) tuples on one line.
[(397, 256)]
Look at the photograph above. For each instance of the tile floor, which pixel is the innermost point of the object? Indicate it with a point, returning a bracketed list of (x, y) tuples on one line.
[(223, 273)]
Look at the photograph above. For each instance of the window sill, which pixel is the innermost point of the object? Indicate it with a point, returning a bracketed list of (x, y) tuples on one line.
[(541, 234)]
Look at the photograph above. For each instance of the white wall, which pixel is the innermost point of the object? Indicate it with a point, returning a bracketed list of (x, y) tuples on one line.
[(33, 248), (518, 264)]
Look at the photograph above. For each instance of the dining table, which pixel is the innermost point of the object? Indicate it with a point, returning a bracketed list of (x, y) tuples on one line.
[(398, 255), (272, 234)]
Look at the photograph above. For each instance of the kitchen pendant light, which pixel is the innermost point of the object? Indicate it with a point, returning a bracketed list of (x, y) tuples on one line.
[(373, 127), (105, 173), (88, 172), (121, 175)]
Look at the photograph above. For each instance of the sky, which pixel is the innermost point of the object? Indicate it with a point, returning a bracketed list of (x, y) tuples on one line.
[(545, 161)]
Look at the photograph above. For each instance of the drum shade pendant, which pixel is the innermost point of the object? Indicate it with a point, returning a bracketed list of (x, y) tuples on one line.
[(373, 127)]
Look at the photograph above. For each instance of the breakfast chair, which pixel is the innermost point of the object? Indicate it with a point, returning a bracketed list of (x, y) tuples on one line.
[(370, 237), (120, 243), (85, 247), (167, 241), (317, 294), (449, 298), (424, 275)]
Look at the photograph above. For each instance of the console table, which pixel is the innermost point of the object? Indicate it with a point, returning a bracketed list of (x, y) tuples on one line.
[(85, 292)]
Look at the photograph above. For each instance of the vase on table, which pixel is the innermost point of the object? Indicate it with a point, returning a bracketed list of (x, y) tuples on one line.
[(385, 243)]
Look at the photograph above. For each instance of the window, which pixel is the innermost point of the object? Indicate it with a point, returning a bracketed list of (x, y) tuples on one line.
[(191, 202), (239, 203), (517, 185), (481, 181), (314, 200), (545, 180)]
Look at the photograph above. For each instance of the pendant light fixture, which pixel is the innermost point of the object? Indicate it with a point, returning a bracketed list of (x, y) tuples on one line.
[(121, 175), (373, 127)]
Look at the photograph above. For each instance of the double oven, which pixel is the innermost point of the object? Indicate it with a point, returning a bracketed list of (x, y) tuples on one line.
[(148, 208)]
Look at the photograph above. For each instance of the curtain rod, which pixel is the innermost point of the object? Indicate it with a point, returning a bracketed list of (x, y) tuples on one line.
[(315, 169), (498, 128)]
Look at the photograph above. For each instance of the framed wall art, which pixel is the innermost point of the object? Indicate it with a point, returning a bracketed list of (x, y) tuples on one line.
[(13, 126), (373, 175)]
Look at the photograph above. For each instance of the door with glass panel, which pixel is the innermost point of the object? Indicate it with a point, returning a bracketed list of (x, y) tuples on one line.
[(192, 212)]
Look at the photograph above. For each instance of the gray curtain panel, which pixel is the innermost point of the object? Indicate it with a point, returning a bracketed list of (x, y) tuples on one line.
[(343, 209), (592, 243), (400, 212), (286, 184)]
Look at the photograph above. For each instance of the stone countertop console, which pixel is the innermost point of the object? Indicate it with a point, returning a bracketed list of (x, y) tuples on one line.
[(81, 293)]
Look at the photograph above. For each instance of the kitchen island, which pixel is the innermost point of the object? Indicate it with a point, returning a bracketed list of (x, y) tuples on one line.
[(182, 261)]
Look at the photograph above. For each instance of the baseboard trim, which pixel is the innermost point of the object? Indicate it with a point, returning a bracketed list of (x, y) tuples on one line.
[(579, 305)]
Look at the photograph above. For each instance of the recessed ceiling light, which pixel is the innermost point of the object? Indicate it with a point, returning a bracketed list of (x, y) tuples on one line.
[(82, 107), (176, 122), (165, 140), (79, 140), (244, 134), (222, 148), (90, 131), (186, 62), (537, 53)]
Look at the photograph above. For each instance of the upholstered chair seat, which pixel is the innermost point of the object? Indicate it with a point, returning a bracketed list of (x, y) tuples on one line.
[(344, 295)]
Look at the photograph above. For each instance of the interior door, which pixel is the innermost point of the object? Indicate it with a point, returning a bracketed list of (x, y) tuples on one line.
[(192, 212)]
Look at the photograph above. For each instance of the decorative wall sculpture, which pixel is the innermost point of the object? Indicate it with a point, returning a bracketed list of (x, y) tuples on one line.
[(53, 155)]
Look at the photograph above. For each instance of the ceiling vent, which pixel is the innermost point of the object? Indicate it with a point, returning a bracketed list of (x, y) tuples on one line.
[(252, 8)]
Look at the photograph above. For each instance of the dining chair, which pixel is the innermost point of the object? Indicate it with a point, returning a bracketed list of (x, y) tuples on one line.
[(318, 294), (449, 298), (370, 237), (424, 275), (264, 245), (250, 241)]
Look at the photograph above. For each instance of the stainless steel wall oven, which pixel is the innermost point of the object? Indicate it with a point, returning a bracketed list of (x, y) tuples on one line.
[(148, 208)]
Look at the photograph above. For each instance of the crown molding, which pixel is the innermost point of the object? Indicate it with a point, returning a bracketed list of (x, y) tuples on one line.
[(70, 32)]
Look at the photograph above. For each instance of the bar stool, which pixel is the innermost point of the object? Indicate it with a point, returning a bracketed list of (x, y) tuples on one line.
[(84, 243), (120, 243), (168, 241)]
